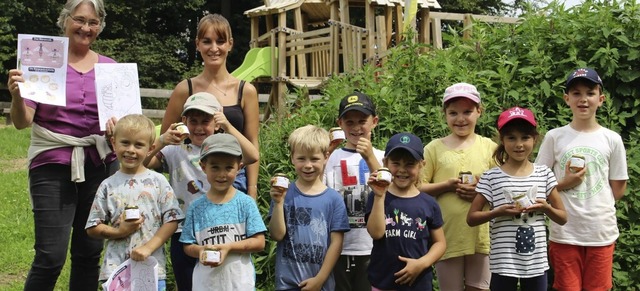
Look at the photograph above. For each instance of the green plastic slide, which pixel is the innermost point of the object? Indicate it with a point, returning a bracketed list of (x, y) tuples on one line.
[(257, 63)]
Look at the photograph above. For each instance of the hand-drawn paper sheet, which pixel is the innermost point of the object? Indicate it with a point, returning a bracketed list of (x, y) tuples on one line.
[(133, 276), (43, 61), (118, 90)]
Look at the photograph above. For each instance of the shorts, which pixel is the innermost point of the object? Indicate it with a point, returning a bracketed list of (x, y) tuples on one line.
[(471, 270), (350, 273), (581, 268)]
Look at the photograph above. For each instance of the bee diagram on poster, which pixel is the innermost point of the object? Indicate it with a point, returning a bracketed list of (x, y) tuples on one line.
[(43, 61), (118, 90)]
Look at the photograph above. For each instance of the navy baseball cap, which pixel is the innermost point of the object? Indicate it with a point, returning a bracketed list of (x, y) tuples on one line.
[(584, 73), (406, 141), (356, 101)]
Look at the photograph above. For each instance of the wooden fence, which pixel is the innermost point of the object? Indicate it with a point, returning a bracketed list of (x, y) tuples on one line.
[(144, 93)]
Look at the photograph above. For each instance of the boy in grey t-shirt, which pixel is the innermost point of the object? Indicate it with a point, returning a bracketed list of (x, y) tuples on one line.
[(133, 186)]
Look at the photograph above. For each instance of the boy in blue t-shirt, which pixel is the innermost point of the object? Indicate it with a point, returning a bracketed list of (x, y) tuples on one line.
[(309, 219), (224, 220)]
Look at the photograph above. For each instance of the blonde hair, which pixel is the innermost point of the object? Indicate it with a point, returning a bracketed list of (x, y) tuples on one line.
[(71, 6), (220, 26), (309, 138), (136, 123)]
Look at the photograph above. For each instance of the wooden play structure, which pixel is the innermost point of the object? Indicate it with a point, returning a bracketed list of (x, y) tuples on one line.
[(310, 40)]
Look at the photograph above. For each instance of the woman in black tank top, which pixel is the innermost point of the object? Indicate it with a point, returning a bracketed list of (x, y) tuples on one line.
[(240, 106)]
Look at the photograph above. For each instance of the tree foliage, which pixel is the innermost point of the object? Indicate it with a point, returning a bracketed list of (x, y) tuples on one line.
[(489, 7), (157, 35)]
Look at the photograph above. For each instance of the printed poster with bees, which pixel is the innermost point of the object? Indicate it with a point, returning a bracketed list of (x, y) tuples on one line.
[(43, 62), (118, 91)]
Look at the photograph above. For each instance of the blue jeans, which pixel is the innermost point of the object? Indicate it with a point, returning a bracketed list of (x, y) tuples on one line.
[(59, 206), (241, 181), (504, 283), (182, 264)]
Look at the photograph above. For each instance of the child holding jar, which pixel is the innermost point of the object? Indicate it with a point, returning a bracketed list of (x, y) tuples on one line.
[(465, 264)]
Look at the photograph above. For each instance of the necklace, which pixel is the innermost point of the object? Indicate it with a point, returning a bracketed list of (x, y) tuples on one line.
[(226, 82)]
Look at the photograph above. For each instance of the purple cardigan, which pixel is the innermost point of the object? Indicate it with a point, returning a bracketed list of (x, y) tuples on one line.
[(79, 118)]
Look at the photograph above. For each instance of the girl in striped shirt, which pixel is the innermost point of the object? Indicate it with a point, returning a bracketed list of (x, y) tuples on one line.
[(519, 194)]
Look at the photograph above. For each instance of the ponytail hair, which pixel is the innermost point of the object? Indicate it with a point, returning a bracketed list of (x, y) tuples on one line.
[(500, 155)]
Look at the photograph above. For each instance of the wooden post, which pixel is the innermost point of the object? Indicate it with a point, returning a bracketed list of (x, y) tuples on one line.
[(467, 22), (269, 22), (388, 14), (334, 11), (381, 36), (274, 54), (282, 65), (302, 62), (399, 24), (255, 32), (370, 26), (335, 49), (344, 11), (436, 26), (424, 34)]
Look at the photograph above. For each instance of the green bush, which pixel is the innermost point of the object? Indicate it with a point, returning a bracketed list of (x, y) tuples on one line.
[(524, 64)]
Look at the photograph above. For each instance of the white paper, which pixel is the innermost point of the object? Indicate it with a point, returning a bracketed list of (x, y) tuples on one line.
[(118, 90), (43, 61), (133, 276)]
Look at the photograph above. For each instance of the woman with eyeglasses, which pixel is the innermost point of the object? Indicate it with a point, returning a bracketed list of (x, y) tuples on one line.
[(61, 185)]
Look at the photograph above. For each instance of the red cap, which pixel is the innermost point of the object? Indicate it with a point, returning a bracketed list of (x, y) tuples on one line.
[(516, 113)]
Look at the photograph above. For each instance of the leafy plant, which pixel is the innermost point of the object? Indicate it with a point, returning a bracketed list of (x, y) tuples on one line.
[(525, 64)]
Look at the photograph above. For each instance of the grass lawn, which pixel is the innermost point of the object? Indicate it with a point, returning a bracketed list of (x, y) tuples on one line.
[(16, 219)]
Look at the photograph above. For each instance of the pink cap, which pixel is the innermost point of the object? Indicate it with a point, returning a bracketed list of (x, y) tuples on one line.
[(516, 113), (461, 90)]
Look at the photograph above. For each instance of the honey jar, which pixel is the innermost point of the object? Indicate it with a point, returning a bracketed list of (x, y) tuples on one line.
[(211, 256), (280, 181), (337, 134), (182, 128), (384, 175), (522, 201), (466, 177), (131, 212), (577, 163)]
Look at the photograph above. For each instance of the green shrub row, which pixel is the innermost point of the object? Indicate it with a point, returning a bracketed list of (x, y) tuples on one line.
[(525, 65)]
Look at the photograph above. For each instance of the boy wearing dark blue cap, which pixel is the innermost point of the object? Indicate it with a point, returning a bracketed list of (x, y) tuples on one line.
[(405, 223), (581, 251)]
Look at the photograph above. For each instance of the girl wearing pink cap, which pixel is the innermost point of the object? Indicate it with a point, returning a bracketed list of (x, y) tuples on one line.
[(465, 264), (519, 194)]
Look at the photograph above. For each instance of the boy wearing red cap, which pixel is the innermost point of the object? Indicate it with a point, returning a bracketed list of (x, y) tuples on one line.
[(581, 252)]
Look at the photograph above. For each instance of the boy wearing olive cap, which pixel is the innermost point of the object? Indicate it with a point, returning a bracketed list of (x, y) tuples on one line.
[(224, 220)]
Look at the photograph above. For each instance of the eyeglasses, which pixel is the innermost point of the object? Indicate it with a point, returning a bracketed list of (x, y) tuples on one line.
[(93, 23)]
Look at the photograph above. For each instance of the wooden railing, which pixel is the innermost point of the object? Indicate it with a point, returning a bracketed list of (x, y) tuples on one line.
[(435, 24), (144, 93)]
